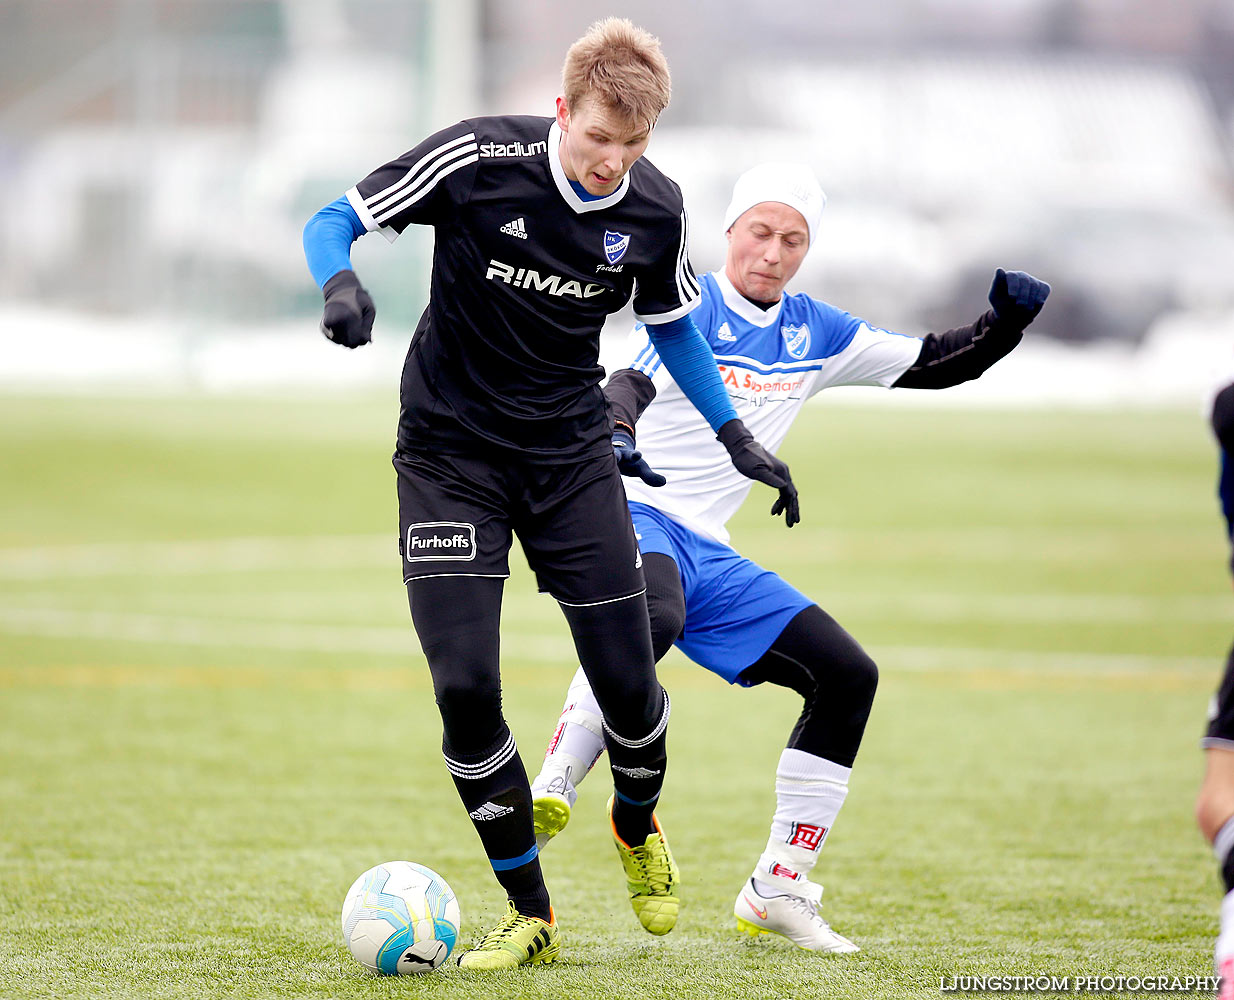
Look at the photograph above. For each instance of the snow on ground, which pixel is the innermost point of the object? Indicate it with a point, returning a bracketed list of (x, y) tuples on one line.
[(1184, 358)]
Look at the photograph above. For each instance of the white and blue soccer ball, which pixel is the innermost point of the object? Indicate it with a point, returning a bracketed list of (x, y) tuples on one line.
[(400, 918)]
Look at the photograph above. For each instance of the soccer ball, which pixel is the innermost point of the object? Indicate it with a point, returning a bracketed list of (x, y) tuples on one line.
[(400, 918)]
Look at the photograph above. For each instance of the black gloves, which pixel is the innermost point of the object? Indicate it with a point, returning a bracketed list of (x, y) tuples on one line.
[(630, 461), (349, 312), (1016, 297), (751, 459)]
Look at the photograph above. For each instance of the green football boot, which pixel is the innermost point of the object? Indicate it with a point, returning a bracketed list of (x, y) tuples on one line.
[(651, 878), (515, 941)]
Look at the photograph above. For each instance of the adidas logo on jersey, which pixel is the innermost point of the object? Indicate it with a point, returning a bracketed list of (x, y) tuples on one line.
[(724, 333), (515, 227), (490, 810)]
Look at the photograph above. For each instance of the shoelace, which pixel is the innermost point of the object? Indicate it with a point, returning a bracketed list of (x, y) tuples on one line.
[(509, 925), (655, 871), (808, 907)]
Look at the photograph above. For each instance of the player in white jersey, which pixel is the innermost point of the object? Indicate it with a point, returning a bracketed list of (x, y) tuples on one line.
[(774, 351)]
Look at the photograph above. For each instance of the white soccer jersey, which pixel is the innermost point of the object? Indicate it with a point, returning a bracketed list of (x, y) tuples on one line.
[(771, 363)]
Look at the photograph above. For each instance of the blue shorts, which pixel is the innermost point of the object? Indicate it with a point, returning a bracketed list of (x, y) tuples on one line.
[(735, 609)]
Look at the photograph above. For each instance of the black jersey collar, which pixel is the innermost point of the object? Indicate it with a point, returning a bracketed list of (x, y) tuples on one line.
[(563, 182), (742, 306)]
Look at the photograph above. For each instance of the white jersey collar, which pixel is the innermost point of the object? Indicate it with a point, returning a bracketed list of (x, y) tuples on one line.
[(563, 182), (734, 301)]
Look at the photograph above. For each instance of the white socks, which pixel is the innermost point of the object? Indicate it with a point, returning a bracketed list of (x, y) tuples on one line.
[(577, 742), (809, 793)]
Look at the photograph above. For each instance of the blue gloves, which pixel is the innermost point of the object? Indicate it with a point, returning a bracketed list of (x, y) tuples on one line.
[(1016, 297), (630, 460), (349, 313)]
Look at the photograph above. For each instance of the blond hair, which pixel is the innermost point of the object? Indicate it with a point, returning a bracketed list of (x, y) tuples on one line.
[(620, 65)]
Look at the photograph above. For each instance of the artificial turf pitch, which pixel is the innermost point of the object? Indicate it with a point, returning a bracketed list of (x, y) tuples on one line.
[(214, 715)]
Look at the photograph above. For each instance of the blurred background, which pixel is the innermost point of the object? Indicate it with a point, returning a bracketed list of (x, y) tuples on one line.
[(213, 711), (158, 159)]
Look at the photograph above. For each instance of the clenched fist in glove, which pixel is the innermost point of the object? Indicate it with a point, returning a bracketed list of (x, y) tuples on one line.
[(1016, 297), (349, 313)]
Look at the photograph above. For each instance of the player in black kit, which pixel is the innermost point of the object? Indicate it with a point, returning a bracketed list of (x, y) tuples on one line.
[(1214, 807), (543, 227)]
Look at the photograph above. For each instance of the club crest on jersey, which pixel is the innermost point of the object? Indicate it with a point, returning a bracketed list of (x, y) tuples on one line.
[(796, 339), (615, 245)]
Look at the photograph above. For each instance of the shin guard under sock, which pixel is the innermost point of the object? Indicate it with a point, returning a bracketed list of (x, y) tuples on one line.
[(494, 790)]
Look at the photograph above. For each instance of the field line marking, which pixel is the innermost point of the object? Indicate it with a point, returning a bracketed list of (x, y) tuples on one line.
[(401, 641), (274, 552), (220, 555), (133, 627), (1080, 608), (1065, 662)]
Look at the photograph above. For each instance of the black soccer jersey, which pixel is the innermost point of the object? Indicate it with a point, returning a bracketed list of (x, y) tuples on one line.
[(524, 274)]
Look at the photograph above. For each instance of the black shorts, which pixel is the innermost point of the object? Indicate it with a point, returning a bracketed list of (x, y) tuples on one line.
[(457, 514)]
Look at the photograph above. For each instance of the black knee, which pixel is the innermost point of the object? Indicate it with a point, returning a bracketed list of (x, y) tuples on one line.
[(470, 710), (668, 618), (666, 602), (858, 673), (457, 621), (835, 677), (613, 644)]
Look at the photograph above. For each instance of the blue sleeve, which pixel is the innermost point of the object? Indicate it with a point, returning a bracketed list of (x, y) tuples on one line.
[(328, 237), (688, 358)]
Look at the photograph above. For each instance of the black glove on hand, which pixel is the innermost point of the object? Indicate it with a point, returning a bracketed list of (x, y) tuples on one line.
[(349, 312), (754, 461), (1016, 297), (630, 461)]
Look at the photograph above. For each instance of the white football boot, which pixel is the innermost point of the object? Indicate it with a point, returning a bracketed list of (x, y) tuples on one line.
[(1224, 952), (791, 916)]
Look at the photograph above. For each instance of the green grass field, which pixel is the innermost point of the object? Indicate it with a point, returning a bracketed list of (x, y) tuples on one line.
[(214, 715)]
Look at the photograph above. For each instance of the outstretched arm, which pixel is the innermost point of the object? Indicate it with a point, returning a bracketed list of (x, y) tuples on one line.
[(959, 355)]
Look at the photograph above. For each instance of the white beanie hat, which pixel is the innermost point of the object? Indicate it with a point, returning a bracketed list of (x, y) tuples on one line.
[(791, 184)]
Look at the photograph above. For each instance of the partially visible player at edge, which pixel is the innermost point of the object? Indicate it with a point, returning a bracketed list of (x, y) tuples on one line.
[(1214, 809), (543, 227), (746, 624)]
